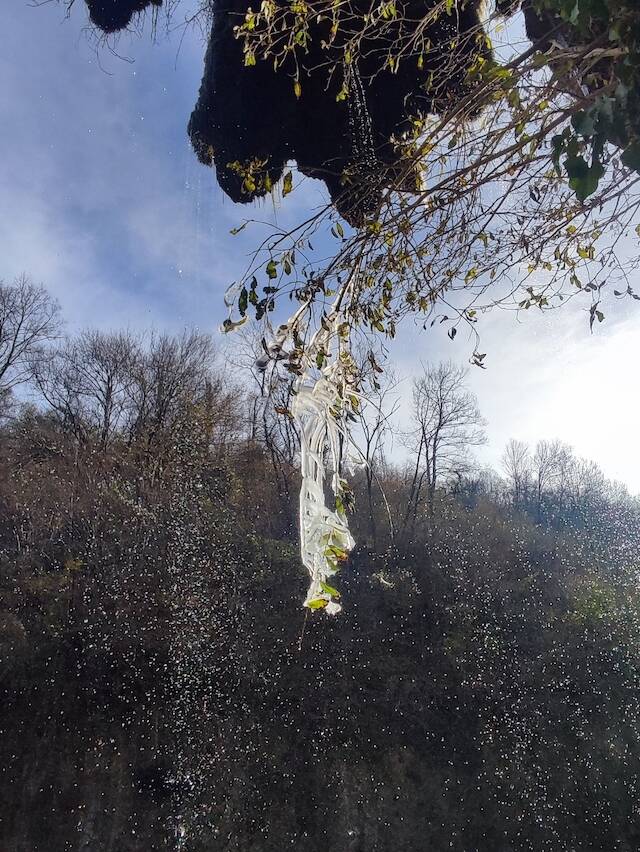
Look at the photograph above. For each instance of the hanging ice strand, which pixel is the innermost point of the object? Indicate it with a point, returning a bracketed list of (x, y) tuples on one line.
[(324, 395)]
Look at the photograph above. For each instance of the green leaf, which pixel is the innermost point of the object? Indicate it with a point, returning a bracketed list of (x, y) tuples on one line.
[(287, 185), (558, 144), (329, 590), (584, 123), (272, 269), (243, 301), (631, 157), (337, 553), (229, 325), (583, 179)]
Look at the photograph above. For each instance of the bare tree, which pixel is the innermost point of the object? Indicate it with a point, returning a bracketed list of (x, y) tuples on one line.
[(170, 368), (586, 481), (107, 388), (6, 404), (374, 425), (447, 422), (483, 482), (29, 320), (516, 462), (86, 381), (546, 466), (269, 421)]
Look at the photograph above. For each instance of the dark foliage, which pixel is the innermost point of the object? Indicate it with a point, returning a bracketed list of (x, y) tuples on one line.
[(161, 691), (248, 121), (113, 15), (543, 25), (614, 118), (242, 114)]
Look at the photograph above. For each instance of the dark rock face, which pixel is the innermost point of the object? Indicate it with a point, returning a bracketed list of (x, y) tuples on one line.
[(243, 115), (113, 15), (248, 121)]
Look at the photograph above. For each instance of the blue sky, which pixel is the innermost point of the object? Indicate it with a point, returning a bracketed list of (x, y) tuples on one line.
[(104, 203)]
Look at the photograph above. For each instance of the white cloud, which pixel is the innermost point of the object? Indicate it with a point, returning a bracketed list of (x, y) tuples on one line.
[(548, 376)]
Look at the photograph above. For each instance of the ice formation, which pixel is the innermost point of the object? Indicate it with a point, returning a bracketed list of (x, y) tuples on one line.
[(318, 410), (325, 394)]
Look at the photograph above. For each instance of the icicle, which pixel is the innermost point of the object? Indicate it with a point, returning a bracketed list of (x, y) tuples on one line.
[(324, 393), (325, 539)]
